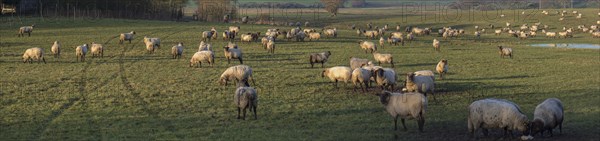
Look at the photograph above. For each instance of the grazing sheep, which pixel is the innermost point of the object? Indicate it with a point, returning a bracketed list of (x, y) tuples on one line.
[(596, 34), (358, 32), (550, 34), (386, 58), (370, 34), (271, 46), (25, 29), (207, 35), (126, 37), (498, 31), (309, 30), (381, 42), (245, 98), (360, 77), (397, 35), (246, 37), (177, 50), (233, 53), (234, 29), (56, 49), (204, 46), (81, 51), (504, 51), (385, 78), (314, 36), (547, 116), (405, 106), (319, 58), (496, 113), (367, 45), (97, 50), (240, 73), (338, 73), (436, 45), (265, 40), (357, 62), (35, 53), (442, 68), (154, 41), (300, 36), (395, 41), (330, 33), (421, 84), (205, 55), (228, 35)]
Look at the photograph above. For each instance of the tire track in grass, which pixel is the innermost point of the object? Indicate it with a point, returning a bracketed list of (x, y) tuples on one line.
[(37, 134)]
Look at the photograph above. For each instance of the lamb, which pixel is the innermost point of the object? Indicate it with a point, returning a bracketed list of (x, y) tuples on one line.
[(547, 116), (314, 36), (357, 62), (358, 32), (56, 49), (245, 97), (205, 55), (504, 51), (436, 45), (271, 46), (25, 29), (207, 35), (338, 73), (442, 68), (385, 77), (35, 53), (367, 45), (126, 37), (386, 58), (496, 113), (234, 29), (381, 42), (80, 52), (177, 50), (241, 73), (421, 84), (233, 53), (245, 19), (97, 50), (330, 33), (319, 58), (360, 77), (405, 106)]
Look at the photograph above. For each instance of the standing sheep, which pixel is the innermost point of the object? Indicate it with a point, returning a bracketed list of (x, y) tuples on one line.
[(386, 58), (233, 53), (204, 46), (367, 45), (154, 41), (97, 50), (405, 106), (504, 51), (244, 98), (547, 116), (271, 46), (421, 84), (357, 62), (234, 29), (35, 53), (300, 36), (360, 77), (330, 33), (205, 55), (56, 49), (80, 52), (338, 73), (25, 29), (436, 45), (442, 68), (126, 37), (177, 50), (496, 113), (314, 36), (319, 58), (381, 42), (385, 77), (240, 73), (207, 35)]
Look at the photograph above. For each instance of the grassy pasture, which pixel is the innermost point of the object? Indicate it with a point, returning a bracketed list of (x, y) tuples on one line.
[(128, 94)]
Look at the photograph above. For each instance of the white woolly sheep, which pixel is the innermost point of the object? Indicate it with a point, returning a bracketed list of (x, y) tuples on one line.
[(442, 68), (234, 29), (405, 106), (56, 49), (35, 53), (154, 41), (97, 50), (436, 45), (496, 113), (81, 51), (338, 73), (246, 38), (547, 116), (357, 62), (245, 98), (385, 78), (25, 29), (126, 37), (214, 32), (233, 53), (207, 35), (330, 32), (410, 37), (205, 55), (425, 73), (319, 58), (177, 50), (271, 46), (314, 36), (240, 73), (360, 77), (421, 84), (204, 46), (385, 58), (504, 51), (367, 45), (150, 47), (381, 42)]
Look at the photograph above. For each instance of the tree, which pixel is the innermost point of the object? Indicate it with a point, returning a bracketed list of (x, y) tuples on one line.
[(332, 6)]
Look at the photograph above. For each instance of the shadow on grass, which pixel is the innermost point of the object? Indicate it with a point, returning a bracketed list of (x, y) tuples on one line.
[(493, 78)]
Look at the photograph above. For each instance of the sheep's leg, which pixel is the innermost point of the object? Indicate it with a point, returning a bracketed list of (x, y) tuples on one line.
[(550, 131), (560, 127), (403, 125), (239, 110), (254, 107), (241, 62), (228, 61), (322, 64), (421, 122), (244, 118), (485, 131), (396, 123), (44, 59), (29, 34)]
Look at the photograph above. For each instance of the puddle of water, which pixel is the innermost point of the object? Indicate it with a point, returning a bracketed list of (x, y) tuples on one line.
[(586, 46)]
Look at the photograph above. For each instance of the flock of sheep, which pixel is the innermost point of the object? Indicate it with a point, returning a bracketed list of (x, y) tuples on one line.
[(409, 102)]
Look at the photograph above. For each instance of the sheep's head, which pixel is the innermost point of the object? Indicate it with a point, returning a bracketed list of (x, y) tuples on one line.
[(324, 72), (500, 47), (384, 97), (25, 57), (222, 81), (524, 128), (445, 61), (536, 126), (360, 42), (328, 53)]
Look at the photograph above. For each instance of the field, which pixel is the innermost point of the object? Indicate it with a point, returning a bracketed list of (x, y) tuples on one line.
[(131, 95)]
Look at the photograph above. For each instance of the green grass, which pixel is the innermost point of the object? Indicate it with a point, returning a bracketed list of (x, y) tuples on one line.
[(132, 95)]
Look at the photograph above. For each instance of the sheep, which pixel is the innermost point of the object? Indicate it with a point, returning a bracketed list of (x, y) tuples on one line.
[(246, 37), (496, 113), (330, 33), (436, 45), (234, 29), (360, 77), (397, 27), (245, 97), (204, 46), (564, 34), (442, 68), (154, 41), (271, 46), (228, 35), (504, 51), (367, 45), (477, 34), (81, 51), (233, 53), (309, 30), (547, 116), (205, 55), (126, 37), (395, 41), (319, 58), (405, 106), (410, 37), (245, 19), (358, 32), (314, 36), (397, 35), (273, 34), (596, 34), (421, 84), (25, 29), (550, 34), (498, 31), (97, 50), (56, 49), (214, 32), (425, 73), (338, 73), (300, 36), (386, 58), (207, 35), (177, 50), (265, 40), (150, 47), (241, 73), (357, 62), (381, 42), (385, 77), (35, 53), (523, 35), (370, 34)]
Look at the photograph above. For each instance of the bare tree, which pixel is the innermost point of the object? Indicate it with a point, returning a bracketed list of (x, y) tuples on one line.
[(332, 6)]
